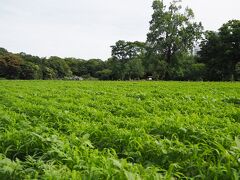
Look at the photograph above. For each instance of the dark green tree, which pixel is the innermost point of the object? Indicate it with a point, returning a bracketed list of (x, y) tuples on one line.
[(77, 66), (29, 63), (3, 51), (134, 69), (49, 73), (10, 66), (229, 35), (93, 66), (237, 71), (127, 59), (220, 51), (118, 69), (59, 66), (171, 34), (104, 74), (125, 50), (30, 70)]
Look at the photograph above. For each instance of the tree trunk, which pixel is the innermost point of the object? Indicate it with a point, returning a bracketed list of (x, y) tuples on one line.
[(169, 55)]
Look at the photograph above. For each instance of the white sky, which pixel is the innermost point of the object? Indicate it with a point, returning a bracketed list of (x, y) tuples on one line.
[(87, 28)]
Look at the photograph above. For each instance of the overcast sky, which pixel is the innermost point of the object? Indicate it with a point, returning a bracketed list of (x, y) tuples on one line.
[(87, 28)]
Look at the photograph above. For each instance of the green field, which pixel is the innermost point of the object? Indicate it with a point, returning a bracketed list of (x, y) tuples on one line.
[(119, 130)]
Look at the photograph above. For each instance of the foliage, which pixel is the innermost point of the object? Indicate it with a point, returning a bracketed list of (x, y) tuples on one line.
[(220, 51), (119, 130), (127, 60), (10, 65), (167, 54), (172, 33), (237, 71), (104, 74), (29, 71), (59, 66)]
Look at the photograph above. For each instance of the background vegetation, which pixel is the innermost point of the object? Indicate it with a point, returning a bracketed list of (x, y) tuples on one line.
[(176, 48)]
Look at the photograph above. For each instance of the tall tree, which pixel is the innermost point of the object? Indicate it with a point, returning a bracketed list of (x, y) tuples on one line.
[(135, 69), (171, 33), (220, 51), (127, 59), (229, 35), (125, 50)]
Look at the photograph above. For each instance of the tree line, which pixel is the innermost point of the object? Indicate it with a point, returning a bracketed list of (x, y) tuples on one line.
[(177, 48)]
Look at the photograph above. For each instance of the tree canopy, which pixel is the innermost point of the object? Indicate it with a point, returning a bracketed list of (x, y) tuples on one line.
[(220, 51), (167, 54), (172, 33)]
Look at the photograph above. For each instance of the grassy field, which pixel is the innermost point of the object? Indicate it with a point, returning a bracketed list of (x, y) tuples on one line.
[(119, 130)]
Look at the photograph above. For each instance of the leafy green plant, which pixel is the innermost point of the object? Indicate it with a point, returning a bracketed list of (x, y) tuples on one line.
[(119, 130)]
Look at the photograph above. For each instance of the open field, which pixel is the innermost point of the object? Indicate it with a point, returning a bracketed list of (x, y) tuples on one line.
[(119, 130)]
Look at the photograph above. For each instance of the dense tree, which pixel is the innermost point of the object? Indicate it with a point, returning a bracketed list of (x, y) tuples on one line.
[(125, 50), (167, 54), (220, 51), (104, 74), (237, 71), (10, 66), (135, 69), (171, 33), (157, 68), (30, 71), (77, 66), (59, 66), (3, 51), (29, 58), (118, 69), (229, 35), (93, 66), (49, 73), (33, 65), (3, 67), (127, 59), (210, 55)]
